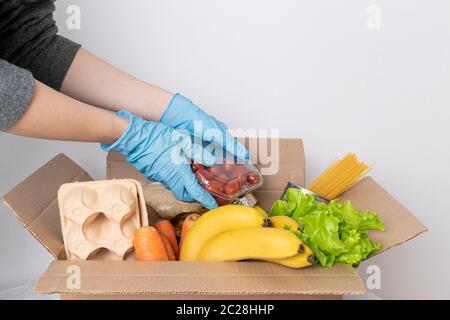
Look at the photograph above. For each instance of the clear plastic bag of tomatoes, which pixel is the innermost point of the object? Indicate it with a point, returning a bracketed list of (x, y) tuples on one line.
[(228, 181)]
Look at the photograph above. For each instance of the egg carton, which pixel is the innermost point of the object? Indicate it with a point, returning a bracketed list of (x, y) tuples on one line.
[(99, 218)]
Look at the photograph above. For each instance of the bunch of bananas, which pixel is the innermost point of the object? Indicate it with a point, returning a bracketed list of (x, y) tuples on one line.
[(235, 232)]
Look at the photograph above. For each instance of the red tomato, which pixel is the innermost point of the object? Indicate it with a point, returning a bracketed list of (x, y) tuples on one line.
[(221, 202), (214, 186), (233, 187), (204, 176), (253, 178), (239, 171), (218, 173), (228, 167), (216, 170), (223, 177), (196, 166)]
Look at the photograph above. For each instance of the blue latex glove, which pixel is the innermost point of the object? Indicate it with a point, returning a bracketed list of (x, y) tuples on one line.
[(162, 154), (182, 114)]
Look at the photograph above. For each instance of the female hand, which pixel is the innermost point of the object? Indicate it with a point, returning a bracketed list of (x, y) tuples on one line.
[(183, 114), (162, 154)]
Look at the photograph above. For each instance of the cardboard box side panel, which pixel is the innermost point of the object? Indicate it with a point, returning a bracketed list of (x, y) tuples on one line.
[(200, 278), (266, 198), (286, 172), (288, 165), (291, 150), (117, 169), (115, 156), (34, 200), (283, 150), (68, 296), (400, 224)]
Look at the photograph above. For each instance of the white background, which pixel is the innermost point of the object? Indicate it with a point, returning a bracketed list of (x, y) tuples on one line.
[(309, 68)]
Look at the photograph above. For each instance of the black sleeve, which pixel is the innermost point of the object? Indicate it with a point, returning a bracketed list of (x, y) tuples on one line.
[(28, 39)]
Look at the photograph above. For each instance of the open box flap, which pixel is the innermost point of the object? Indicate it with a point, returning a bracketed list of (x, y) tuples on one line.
[(400, 224), (290, 162), (209, 278), (34, 201)]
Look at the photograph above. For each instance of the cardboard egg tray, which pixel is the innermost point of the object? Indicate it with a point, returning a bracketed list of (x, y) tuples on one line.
[(99, 218)]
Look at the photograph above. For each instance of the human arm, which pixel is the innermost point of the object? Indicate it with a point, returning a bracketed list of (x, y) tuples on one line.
[(30, 108), (92, 80), (52, 115), (148, 145), (164, 154), (28, 39)]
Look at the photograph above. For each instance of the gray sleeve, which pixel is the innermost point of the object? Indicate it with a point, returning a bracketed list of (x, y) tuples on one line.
[(29, 39), (16, 92)]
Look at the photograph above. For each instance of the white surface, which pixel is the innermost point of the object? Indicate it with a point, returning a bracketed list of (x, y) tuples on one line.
[(309, 68), (24, 291)]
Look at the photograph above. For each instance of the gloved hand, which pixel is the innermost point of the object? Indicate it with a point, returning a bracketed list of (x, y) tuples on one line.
[(162, 154), (182, 114)]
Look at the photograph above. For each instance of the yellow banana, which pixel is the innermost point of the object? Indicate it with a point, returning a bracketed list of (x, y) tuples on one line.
[(251, 243), (300, 260), (285, 222), (216, 221), (261, 210)]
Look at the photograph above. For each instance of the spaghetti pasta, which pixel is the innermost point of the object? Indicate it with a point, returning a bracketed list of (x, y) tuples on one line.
[(339, 176)]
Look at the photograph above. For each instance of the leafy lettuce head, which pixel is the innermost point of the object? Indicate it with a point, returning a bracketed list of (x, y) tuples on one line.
[(335, 232)]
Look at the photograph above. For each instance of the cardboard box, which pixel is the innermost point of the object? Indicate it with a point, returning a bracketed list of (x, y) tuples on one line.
[(34, 201)]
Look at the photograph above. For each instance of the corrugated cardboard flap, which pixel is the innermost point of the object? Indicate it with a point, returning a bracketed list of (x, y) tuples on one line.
[(204, 278), (118, 168), (400, 224), (34, 201)]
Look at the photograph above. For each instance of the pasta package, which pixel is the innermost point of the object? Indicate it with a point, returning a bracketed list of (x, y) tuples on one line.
[(339, 176)]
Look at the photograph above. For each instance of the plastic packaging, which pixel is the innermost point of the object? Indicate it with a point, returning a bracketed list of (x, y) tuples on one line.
[(228, 181)]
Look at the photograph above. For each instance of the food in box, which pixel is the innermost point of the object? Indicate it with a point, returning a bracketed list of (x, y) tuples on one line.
[(228, 181), (161, 200), (235, 280)]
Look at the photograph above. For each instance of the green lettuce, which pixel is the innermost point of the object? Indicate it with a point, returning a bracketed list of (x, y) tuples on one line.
[(335, 231)]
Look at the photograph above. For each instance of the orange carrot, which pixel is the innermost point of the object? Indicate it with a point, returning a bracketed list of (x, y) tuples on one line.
[(187, 224), (148, 245), (165, 227), (168, 246)]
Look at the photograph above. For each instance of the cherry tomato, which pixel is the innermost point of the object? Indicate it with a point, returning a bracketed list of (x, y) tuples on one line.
[(253, 178), (214, 186), (233, 187), (239, 171), (221, 202), (228, 167), (203, 176), (196, 166), (223, 177)]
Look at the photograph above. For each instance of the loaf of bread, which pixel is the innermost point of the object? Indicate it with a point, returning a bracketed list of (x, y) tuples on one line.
[(164, 203)]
